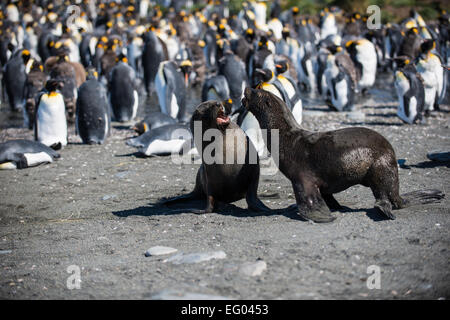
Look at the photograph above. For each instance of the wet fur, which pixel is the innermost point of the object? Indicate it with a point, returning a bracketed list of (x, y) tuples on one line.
[(320, 164), (222, 182)]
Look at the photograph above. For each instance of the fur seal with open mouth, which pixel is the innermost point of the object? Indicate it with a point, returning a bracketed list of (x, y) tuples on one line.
[(227, 182), (319, 164)]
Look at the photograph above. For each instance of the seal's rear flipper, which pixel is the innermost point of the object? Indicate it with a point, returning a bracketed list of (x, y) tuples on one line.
[(385, 208), (183, 198), (423, 197)]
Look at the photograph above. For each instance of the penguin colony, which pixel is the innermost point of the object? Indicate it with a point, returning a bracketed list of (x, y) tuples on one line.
[(100, 66)]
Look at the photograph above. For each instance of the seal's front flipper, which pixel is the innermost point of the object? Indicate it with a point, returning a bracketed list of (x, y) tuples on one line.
[(253, 202), (311, 206), (385, 208), (256, 205), (317, 214), (331, 202)]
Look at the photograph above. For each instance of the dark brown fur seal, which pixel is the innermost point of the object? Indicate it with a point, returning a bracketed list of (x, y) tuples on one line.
[(319, 164), (223, 182)]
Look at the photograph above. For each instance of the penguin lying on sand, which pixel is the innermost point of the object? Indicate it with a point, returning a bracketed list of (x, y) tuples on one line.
[(163, 140), (25, 153), (152, 121)]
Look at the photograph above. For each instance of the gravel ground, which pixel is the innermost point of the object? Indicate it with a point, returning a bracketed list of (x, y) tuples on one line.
[(95, 209)]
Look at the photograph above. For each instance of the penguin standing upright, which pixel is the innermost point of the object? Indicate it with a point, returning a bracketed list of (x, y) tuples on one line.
[(339, 83), (411, 43), (215, 88), (152, 55), (51, 125), (14, 78), (35, 82), (170, 84), (327, 24), (307, 66), (291, 89), (63, 71), (233, 69), (263, 58), (429, 66), (93, 118), (410, 91), (122, 90), (248, 122), (364, 57), (322, 57)]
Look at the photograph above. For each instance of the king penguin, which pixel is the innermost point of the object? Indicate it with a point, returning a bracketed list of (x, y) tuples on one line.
[(291, 89), (51, 124), (93, 117), (14, 78), (20, 154), (122, 89), (429, 65), (410, 91), (215, 88), (364, 57), (152, 55), (170, 84)]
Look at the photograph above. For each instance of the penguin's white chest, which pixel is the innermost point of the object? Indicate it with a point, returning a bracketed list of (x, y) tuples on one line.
[(251, 127), (405, 112), (51, 120), (158, 146)]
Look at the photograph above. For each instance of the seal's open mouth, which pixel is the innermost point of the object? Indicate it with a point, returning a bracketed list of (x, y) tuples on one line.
[(222, 119)]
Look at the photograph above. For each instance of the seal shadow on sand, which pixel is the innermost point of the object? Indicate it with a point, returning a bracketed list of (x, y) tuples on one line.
[(156, 209)]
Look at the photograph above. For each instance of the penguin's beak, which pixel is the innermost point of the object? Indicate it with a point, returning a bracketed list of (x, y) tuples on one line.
[(186, 79)]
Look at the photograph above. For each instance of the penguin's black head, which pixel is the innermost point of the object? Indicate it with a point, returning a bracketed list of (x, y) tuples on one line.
[(262, 75), (122, 58), (91, 73), (334, 48), (427, 45), (53, 84), (413, 31), (37, 66), (250, 35), (141, 127), (402, 61), (285, 32), (62, 57), (263, 43), (228, 104), (26, 55), (282, 66)]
